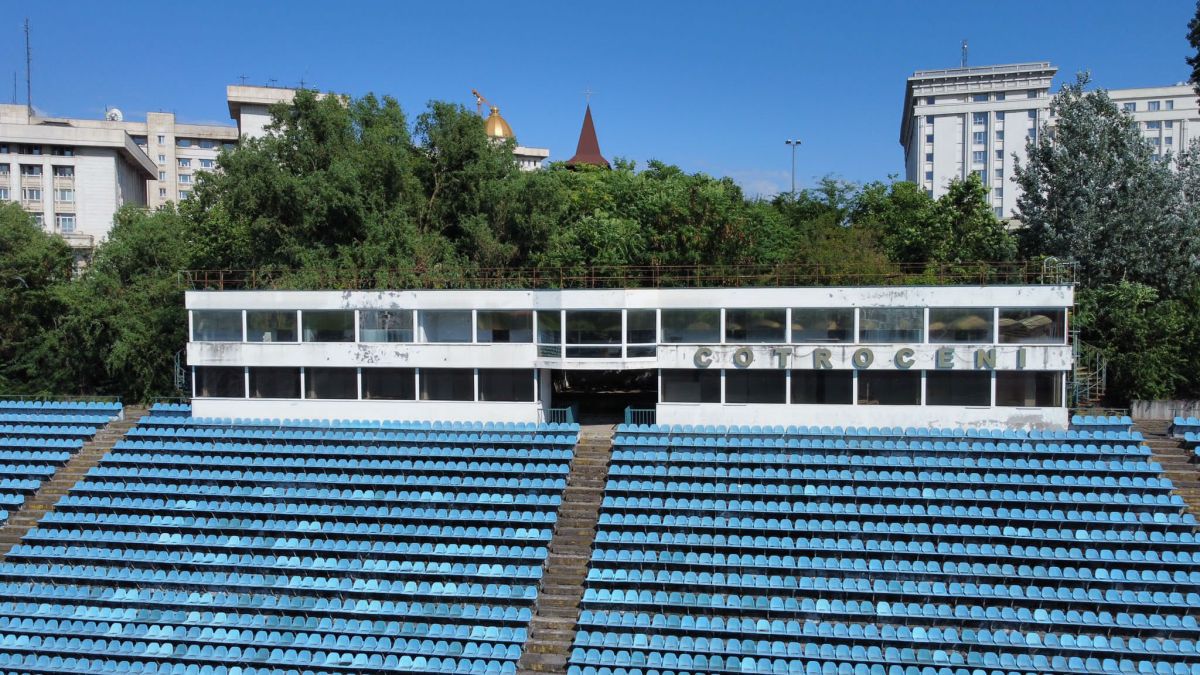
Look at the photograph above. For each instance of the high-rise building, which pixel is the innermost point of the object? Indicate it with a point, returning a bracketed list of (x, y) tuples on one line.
[(959, 121), (73, 174)]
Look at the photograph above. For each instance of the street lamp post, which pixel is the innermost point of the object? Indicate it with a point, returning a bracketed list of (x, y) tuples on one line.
[(794, 143)]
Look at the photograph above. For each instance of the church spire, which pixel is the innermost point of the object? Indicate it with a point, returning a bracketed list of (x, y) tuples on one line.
[(588, 149)]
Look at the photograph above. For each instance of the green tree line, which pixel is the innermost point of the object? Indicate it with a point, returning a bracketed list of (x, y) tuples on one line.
[(356, 187)]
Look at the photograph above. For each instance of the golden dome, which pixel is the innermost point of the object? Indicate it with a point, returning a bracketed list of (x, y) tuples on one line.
[(495, 126)]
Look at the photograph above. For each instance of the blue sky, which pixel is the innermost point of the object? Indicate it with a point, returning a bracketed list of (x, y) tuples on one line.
[(710, 86)]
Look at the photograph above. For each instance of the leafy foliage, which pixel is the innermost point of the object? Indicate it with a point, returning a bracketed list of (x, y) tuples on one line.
[(33, 268), (1095, 192)]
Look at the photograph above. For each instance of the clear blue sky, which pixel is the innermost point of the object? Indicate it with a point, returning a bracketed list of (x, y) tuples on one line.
[(710, 86)]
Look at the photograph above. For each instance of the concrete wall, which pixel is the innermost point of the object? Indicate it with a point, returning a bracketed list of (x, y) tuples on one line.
[(1164, 410), (862, 415), (455, 411)]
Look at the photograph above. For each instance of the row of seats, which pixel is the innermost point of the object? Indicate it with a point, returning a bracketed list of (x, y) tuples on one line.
[(323, 537), (893, 433), (372, 425), (24, 406), (38, 437), (241, 452), (852, 550), (1105, 422), (532, 438)]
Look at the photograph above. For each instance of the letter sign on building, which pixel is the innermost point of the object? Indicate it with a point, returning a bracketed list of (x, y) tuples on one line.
[(743, 357), (703, 357), (904, 358), (863, 358)]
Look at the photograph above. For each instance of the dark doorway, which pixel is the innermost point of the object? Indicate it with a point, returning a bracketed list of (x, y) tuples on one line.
[(601, 396)]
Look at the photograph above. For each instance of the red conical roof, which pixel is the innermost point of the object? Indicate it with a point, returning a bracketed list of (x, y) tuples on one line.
[(588, 150)]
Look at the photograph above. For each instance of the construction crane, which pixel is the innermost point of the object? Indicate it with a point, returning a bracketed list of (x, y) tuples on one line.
[(480, 99)]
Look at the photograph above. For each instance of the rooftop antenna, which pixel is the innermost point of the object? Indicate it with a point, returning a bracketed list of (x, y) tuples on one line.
[(14, 95), (964, 54), (28, 70), (243, 78), (587, 95), (271, 82)]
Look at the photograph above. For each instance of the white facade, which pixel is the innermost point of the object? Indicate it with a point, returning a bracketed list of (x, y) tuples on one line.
[(72, 179), (110, 163), (901, 356), (959, 121)]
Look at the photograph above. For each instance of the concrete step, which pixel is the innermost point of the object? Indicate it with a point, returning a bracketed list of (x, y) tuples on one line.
[(552, 628)]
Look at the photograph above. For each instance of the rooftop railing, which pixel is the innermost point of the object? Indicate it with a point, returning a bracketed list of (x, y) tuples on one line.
[(1046, 272)]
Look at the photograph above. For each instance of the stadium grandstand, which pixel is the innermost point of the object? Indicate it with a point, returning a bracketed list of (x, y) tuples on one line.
[(858, 480)]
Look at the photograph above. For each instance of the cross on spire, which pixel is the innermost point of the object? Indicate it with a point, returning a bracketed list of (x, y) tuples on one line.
[(587, 93)]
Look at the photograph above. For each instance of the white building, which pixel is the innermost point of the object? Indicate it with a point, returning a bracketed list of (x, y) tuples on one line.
[(72, 179), (945, 356), (959, 121), (99, 165)]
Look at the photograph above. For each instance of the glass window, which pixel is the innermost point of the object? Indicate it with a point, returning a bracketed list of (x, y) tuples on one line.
[(184, 162), (980, 98), (1154, 125), (183, 142), (1033, 326), (185, 178), (217, 325), (835, 324), (337, 383), (700, 326), (549, 325), (691, 386), (274, 383), (1000, 135), (1170, 106), (31, 170), (928, 138), (928, 175), (162, 139), (64, 195), (4, 194), (324, 325), (889, 387), (1129, 107), (755, 325), (640, 327), (220, 381), (31, 194), (979, 137), (979, 118), (1040, 389), (64, 172), (445, 325), (385, 325), (389, 384), (1032, 93), (948, 387), (979, 156), (184, 194), (270, 326), (65, 222), (510, 326), (207, 163), (929, 157), (823, 386), (447, 384), (891, 324), (1153, 106), (505, 384), (592, 327), (999, 115), (999, 96), (953, 324), (755, 386), (4, 169), (162, 175), (930, 100)]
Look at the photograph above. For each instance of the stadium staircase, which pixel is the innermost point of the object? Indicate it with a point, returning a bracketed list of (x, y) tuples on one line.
[(1174, 456), (65, 478), (552, 628)]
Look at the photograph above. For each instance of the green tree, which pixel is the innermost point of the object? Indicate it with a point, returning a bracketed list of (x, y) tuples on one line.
[(1096, 193), (126, 318), (1143, 337), (34, 269), (958, 227)]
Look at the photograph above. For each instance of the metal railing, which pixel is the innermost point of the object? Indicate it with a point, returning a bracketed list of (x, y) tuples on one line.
[(1037, 272), (566, 415), (640, 415), (1089, 375)]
